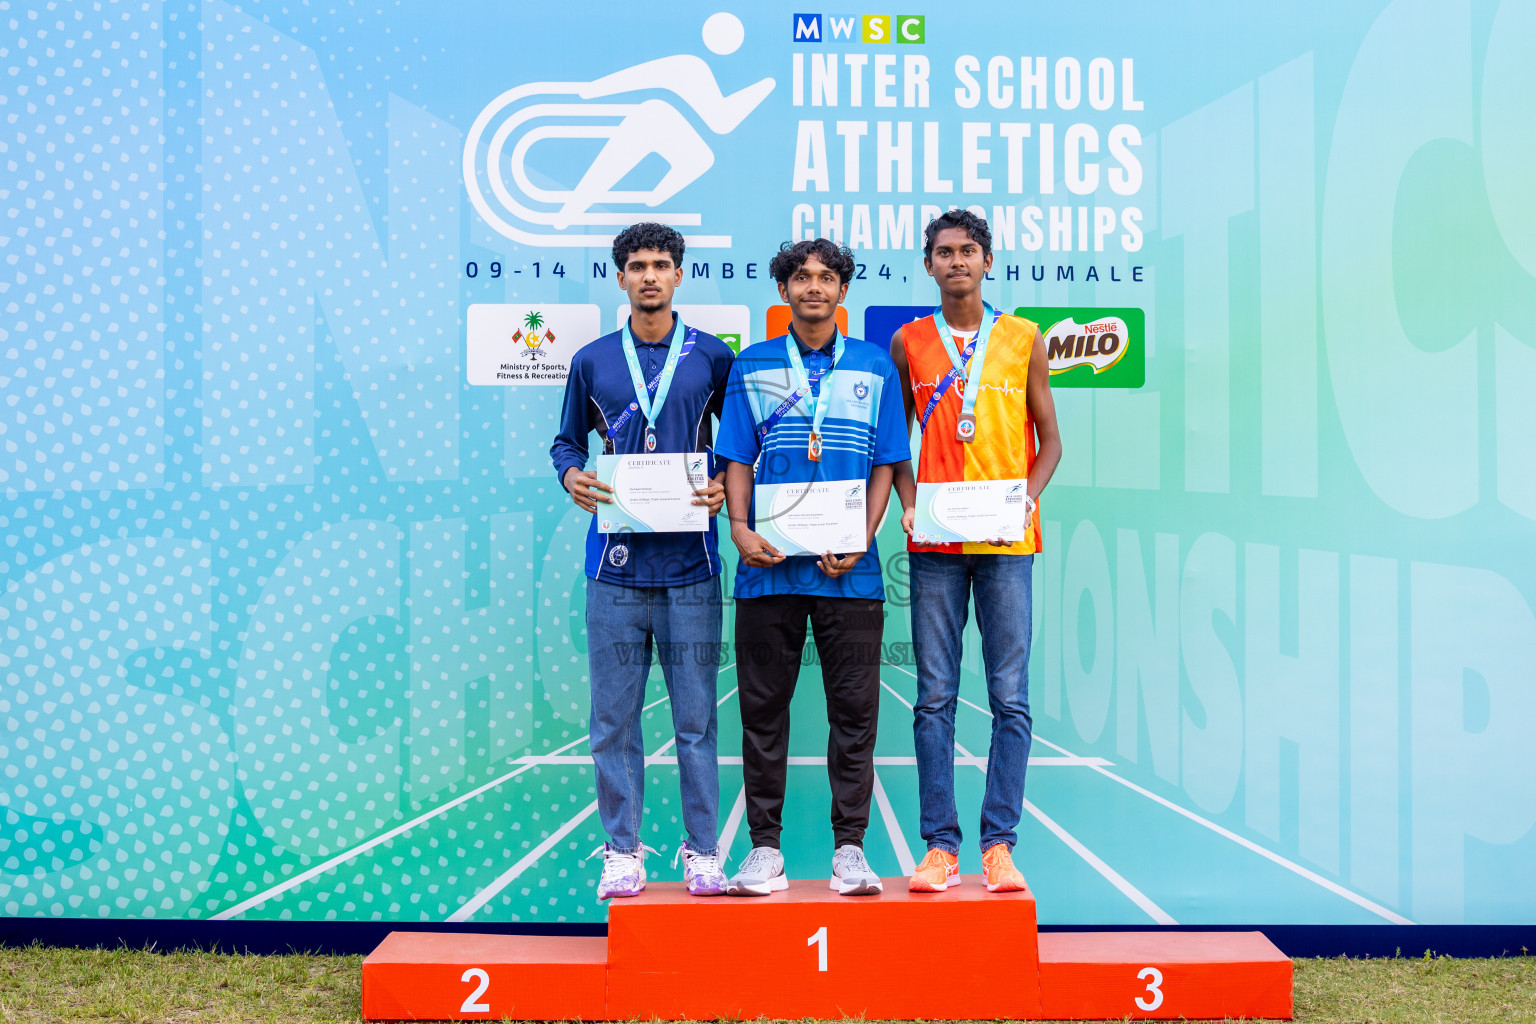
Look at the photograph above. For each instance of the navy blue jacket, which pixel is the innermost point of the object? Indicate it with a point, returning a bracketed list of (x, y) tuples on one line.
[(596, 392)]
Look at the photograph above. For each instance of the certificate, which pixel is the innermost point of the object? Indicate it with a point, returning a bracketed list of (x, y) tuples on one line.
[(653, 493), (970, 510), (812, 518)]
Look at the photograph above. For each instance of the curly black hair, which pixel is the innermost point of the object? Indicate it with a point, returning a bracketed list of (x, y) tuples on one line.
[(973, 225), (647, 235), (792, 256)]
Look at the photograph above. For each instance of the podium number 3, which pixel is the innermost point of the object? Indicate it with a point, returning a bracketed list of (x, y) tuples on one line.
[(472, 1004), (1154, 997), (819, 940)]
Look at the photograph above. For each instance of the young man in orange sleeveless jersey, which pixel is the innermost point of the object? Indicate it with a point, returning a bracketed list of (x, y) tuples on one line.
[(979, 385)]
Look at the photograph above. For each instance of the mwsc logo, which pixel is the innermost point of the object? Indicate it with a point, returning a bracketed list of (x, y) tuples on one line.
[(529, 116), (866, 28)]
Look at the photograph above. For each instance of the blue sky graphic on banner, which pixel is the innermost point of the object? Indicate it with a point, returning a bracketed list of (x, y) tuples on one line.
[(292, 602)]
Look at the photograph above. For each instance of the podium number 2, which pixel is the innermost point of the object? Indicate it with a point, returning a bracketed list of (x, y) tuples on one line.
[(472, 1004), (819, 940), (1154, 997)]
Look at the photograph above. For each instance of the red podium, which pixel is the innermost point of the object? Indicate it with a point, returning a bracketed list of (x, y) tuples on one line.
[(807, 952)]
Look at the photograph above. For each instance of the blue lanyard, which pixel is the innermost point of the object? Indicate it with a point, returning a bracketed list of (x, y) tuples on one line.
[(659, 385), (944, 384), (823, 400), (789, 403), (957, 362)]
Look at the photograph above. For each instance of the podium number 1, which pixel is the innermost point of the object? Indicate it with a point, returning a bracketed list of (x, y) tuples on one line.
[(1154, 997), (473, 1004), (819, 940)]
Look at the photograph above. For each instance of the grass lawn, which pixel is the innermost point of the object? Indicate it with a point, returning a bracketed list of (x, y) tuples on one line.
[(61, 986)]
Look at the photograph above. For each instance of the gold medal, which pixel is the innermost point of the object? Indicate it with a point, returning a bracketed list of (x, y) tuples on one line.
[(813, 449)]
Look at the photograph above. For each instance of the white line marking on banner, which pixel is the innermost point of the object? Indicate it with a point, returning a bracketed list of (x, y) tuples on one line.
[(1114, 877), (732, 823), (898, 760), (485, 895), (524, 764), (509, 876), (341, 858), (1311, 876), (898, 696), (893, 827), (978, 707), (1274, 858), (1066, 758), (1093, 860)]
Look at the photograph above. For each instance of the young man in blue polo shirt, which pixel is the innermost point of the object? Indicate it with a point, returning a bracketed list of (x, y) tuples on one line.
[(812, 405), (650, 387)]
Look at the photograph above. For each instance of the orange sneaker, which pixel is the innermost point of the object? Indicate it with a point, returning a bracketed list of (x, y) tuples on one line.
[(938, 871), (1001, 875)]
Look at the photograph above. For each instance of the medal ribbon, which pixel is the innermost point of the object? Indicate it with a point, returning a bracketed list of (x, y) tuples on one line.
[(660, 384), (944, 384), (823, 400), (957, 360), (783, 408)]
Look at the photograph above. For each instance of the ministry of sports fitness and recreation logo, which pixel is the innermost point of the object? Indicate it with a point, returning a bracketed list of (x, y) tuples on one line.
[(554, 213), (533, 335), (861, 391)]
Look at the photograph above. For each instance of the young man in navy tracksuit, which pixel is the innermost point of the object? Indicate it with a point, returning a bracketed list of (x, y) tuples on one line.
[(650, 387)]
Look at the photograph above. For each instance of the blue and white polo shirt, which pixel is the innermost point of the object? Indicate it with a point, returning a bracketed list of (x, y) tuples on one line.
[(864, 427)]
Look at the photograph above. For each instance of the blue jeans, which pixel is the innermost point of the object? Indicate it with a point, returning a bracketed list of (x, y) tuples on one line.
[(942, 585), (625, 627)]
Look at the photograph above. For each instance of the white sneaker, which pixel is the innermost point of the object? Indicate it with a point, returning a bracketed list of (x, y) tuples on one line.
[(761, 873), (701, 871), (623, 873), (852, 875)]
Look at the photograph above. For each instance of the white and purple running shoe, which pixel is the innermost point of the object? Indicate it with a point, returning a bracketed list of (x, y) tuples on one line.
[(623, 873), (701, 871)]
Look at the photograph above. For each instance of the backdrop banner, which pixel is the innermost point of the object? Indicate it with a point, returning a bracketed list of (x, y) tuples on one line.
[(292, 615)]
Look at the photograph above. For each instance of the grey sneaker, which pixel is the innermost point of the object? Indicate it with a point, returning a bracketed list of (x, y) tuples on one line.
[(852, 875), (761, 873)]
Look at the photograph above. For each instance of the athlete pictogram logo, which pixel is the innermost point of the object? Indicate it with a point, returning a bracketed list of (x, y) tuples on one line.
[(531, 115)]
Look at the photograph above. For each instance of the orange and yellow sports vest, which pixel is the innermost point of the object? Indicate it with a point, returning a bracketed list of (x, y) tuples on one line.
[(1004, 448)]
